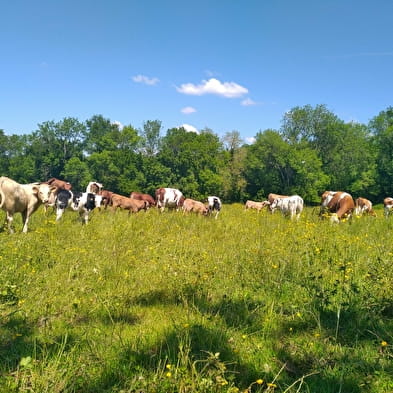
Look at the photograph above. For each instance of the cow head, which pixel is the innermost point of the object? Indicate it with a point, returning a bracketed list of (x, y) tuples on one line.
[(43, 191), (76, 200), (275, 204), (181, 201)]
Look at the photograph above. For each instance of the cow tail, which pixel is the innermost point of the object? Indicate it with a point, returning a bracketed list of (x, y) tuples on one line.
[(2, 196)]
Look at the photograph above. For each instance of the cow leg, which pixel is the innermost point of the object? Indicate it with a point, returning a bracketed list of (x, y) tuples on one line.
[(25, 220), (83, 215), (59, 214), (9, 220), (86, 217)]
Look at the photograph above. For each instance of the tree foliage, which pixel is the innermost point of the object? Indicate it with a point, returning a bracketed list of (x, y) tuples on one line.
[(313, 151)]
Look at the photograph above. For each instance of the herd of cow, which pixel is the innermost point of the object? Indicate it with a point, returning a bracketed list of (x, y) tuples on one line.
[(56, 193), (338, 205)]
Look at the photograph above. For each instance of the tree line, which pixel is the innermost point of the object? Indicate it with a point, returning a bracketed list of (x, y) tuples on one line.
[(312, 151)]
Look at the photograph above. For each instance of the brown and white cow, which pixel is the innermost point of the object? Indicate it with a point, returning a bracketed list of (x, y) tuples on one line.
[(132, 205), (339, 203), (190, 205), (387, 206), (143, 197), (364, 206), (271, 197), (169, 197), (256, 205), (22, 198), (94, 187)]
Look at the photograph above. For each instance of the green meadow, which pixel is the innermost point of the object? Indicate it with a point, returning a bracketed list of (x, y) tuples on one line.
[(250, 302)]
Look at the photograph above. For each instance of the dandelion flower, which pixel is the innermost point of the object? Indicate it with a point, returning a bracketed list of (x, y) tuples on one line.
[(168, 374), (384, 344), (259, 381)]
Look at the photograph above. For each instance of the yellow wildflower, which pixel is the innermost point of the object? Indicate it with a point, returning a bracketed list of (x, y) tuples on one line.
[(259, 381)]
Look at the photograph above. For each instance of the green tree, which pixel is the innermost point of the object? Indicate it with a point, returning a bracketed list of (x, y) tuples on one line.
[(21, 164), (151, 138), (77, 173), (53, 144), (101, 134), (233, 171), (381, 127), (343, 148), (274, 165), (188, 155)]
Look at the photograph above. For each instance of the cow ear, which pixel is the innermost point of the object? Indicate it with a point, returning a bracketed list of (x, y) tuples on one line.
[(35, 190), (53, 188)]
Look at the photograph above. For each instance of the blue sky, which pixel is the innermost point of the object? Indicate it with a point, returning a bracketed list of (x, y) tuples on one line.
[(222, 64)]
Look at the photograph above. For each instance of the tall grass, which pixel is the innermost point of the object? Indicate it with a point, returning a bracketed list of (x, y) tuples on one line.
[(171, 303)]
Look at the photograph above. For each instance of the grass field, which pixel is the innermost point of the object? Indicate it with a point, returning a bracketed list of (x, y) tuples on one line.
[(250, 302)]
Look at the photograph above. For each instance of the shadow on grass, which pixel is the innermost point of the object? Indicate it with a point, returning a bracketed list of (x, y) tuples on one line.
[(190, 350), (238, 313), (15, 341)]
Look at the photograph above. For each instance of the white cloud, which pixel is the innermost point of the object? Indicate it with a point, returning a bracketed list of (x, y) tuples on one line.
[(213, 86), (189, 128), (188, 109), (248, 102), (119, 124), (145, 79), (250, 140)]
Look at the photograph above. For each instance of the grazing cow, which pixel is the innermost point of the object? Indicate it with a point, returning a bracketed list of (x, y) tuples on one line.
[(94, 187), (190, 205), (132, 205), (106, 198), (143, 197), (271, 197), (339, 203), (289, 206), (63, 200), (256, 205), (84, 203), (22, 198), (214, 205), (60, 184), (169, 197), (387, 206), (364, 206)]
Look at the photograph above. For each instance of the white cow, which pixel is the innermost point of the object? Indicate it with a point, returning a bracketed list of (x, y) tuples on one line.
[(214, 205), (169, 197), (292, 205), (22, 198)]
